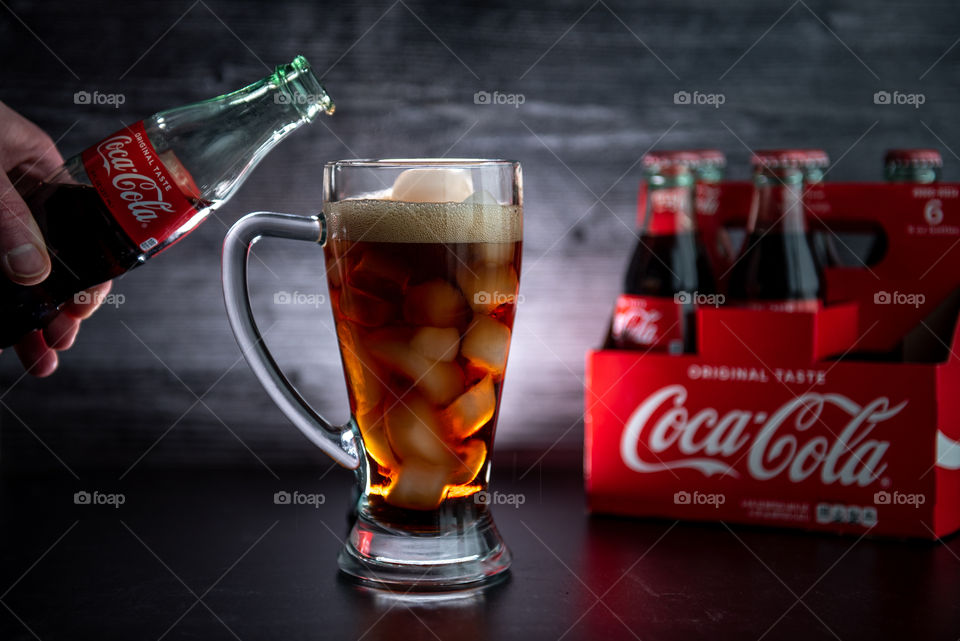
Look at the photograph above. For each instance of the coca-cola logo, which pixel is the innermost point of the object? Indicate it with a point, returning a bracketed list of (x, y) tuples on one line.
[(772, 444), (142, 194), (670, 199), (639, 325), (708, 199), (651, 322)]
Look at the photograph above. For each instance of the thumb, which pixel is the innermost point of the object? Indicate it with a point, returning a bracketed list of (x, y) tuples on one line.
[(23, 255)]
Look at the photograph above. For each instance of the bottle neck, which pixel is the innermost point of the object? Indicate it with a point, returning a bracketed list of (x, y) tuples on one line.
[(898, 173), (219, 141), (669, 209), (778, 202), (813, 175), (710, 175)]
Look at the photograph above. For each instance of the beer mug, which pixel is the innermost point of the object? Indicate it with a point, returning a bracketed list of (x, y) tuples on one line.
[(423, 263)]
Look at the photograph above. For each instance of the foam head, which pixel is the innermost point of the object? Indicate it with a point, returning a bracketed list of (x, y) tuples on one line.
[(377, 220), (426, 205)]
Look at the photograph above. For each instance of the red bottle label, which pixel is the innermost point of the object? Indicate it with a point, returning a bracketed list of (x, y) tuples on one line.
[(707, 198), (146, 198), (648, 322), (670, 211)]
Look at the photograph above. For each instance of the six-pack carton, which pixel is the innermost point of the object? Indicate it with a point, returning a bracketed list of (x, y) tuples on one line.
[(843, 419)]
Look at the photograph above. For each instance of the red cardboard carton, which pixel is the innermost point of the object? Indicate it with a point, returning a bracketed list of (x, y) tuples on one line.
[(790, 419)]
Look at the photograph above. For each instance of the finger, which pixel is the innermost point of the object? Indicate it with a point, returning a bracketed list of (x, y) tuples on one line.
[(37, 358), (61, 332), (26, 151), (22, 252), (85, 303)]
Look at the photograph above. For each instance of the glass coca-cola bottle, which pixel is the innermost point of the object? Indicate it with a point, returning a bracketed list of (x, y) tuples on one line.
[(668, 272), (815, 165), (710, 166), (130, 196), (915, 166), (708, 174), (918, 166), (777, 267), (826, 241)]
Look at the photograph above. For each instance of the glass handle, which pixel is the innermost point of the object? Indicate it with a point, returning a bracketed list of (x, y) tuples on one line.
[(335, 441)]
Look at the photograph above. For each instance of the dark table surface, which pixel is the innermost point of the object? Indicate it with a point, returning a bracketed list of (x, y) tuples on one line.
[(210, 556)]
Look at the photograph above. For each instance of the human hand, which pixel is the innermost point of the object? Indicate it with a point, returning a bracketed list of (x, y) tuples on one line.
[(27, 156)]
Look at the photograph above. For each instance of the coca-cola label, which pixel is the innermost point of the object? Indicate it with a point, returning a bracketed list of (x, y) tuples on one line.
[(648, 322), (707, 198), (670, 211), (770, 444), (140, 191)]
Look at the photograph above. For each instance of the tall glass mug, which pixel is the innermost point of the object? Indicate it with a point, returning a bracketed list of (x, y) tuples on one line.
[(423, 264)]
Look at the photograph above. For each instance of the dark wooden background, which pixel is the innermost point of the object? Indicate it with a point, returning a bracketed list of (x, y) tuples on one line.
[(598, 82)]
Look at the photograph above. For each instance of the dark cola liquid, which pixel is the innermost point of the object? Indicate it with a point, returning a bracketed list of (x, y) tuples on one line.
[(383, 295), (86, 247), (776, 266), (665, 265)]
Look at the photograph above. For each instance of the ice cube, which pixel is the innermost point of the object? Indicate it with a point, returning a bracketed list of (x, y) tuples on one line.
[(365, 309), (378, 275), (486, 344), (471, 410), (439, 381), (437, 343), (390, 347), (488, 286), (472, 454), (432, 185), (375, 439), (482, 197), (362, 376), (435, 303), (415, 432), (473, 374), (418, 485), (492, 253)]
